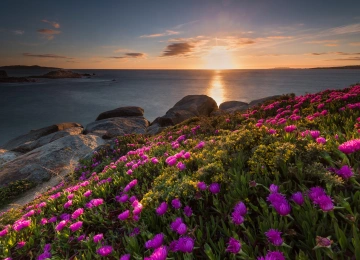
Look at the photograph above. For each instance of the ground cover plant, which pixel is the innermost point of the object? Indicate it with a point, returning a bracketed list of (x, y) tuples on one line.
[(279, 181)]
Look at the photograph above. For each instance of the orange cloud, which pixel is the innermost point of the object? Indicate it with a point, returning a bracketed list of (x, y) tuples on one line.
[(54, 24), (166, 33), (48, 33), (26, 54)]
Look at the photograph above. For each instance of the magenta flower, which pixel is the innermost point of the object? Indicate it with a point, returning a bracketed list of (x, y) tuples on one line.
[(185, 244), (315, 192), (273, 255), (324, 202), (68, 204), (186, 155), (314, 134), (131, 185), (214, 188), (87, 193), (76, 226), (21, 224), (21, 244), (202, 186), (161, 210), (122, 199), (181, 166), (181, 230), (280, 204), (283, 209), (237, 218), (159, 253), (70, 196), (187, 211), (105, 250), (52, 219), (61, 225), (65, 216), (323, 242), (124, 215), (154, 160), (4, 232), (274, 188), (274, 237), (321, 140), (345, 172), (175, 224), (350, 146), (272, 131), (129, 172), (155, 242), (171, 160), (94, 203), (240, 208), (298, 198), (80, 238), (200, 145), (234, 246), (125, 257), (77, 213), (290, 128), (176, 203), (98, 237)]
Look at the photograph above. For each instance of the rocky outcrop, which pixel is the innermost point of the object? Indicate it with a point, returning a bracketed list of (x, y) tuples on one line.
[(6, 156), (55, 158), (230, 107), (188, 107), (121, 112), (59, 74), (34, 135), (112, 127), (28, 146), (262, 100), (3, 74)]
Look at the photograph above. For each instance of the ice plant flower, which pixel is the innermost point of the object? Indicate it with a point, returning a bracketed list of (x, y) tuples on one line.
[(274, 237), (274, 188), (46, 253), (125, 257), (76, 226), (98, 237), (176, 203), (171, 160), (187, 211), (159, 253), (201, 185), (61, 225), (21, 244), (122, 199), (273, 255), (214, 188), (105, 250), (68, 204), (161, 210), (185, 244), (21, 224), (323, 242), (175, 224), (290, 128), (155, 242), (345, 172), (4, 232), (77, 213), (181, 230), (200, 145), (321, 140), (94, 203), (298, 198), (315, 133), (87, 193), (234, 246), (124, 215), (181, 166), (350, 146), (280, 204), (237, 218)]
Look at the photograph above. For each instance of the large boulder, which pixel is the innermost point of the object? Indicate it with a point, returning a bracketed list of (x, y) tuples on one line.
[(112, 127), (3, 74), (262, 100), (188, 107), (6, 156), (121, 112), (31, 145), (55, 158), (36, 134), (230, 107)]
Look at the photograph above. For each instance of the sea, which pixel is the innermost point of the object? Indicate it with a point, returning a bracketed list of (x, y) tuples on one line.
[(27, 106)]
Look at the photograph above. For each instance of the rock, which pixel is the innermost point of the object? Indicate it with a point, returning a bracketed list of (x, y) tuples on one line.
[(188, 107), (16, 80), (262, 100), (112, 127), (59, 74), (121, 112), (154, 129), (6, 156), (230, 107), (28, 146), (36, 134), (3, 74), (55, 158)]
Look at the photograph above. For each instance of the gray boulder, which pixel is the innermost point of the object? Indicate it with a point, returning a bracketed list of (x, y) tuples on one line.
[(3, 74), (36, 134), (121, 112), (230, 107), (55, 158), (31, 145), (6, 156), (112, 127), (262, 100)]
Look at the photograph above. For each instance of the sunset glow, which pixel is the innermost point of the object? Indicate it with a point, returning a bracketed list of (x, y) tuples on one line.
[(216, 89), (219, 58)]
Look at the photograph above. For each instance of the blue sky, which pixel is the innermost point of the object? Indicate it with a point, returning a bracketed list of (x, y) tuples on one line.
[(180, 34)]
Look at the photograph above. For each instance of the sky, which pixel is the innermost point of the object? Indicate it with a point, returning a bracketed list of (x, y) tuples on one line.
[(186, 34)]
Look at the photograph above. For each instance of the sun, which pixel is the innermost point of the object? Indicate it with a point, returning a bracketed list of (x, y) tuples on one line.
[(219, 58)]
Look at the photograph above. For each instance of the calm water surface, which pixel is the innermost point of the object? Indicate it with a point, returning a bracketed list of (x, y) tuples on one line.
[(26, 106)]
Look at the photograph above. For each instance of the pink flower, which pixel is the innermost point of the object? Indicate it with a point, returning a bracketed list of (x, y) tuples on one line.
[(125, 257), (214, 188), (202, 186), (3, 232), (21, 224), (70, 196), (76, 226), (124, 215), (94, 203), (314, 134), (181, 230), (122, 199), (290, 128), (234, 246), (105, 250), (350, 146), (161, 210), (98, 237), (274, 237), (176, 203), (21, 244), (171, 160), (185, 244), (186, 155), (187, 211), (154, 160), (61, 225), (272, 131), (77, 213), (87, 193), (175, 224), (298, 198), (345, 172), (200, 145), (181, 166), (155, 242), (321, 140)]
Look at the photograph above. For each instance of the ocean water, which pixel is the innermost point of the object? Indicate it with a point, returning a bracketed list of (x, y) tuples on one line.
[(26, 106)]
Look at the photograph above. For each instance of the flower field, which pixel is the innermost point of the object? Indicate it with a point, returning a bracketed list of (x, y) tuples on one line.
[(279, 181)]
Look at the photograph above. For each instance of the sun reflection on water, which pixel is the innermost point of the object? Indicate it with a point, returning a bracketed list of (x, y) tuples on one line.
[(216, 88)]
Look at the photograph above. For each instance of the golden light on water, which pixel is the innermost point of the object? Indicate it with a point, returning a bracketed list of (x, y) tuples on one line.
[(216, 89)]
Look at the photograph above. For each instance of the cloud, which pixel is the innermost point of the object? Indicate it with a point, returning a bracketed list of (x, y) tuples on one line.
[(18, 32), (48, 33), (346, 59), (180, 48), (319, 53), (26, 54), (323, 42), (166, 33), (279, 37), (54, 24), (179, 26), (134, 55), (354, 43)]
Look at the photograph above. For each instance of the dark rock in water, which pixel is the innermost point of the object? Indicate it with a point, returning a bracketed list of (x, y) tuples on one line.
[(36, 134), (59, 74), (3, 74), (94, 74), (112, 127), (16, 80), (121, 112), (86, 75), (31, 145), (56, 158), (230, 107), (262, 100)]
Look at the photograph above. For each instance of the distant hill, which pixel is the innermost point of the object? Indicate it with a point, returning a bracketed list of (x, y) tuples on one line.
[(352, 67), (22, 67)]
